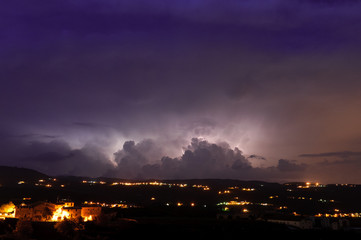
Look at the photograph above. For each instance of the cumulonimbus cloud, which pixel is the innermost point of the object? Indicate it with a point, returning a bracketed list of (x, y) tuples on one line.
[(201, 159)]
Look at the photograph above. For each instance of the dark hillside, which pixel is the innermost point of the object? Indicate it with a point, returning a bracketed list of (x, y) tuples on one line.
[(12, 175)]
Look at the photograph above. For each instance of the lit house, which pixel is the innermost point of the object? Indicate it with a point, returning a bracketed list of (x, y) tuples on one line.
[(7, 210), (39, 211), (89, 213), (44, 211)]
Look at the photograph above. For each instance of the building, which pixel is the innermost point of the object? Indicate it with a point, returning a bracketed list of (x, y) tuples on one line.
[(333, 223), (294, 221), (38, 211), (90, 212), (45, 211), (74, 212), (7, 210), (340, 224)]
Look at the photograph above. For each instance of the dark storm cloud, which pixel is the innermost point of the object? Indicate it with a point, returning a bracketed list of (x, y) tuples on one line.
[(35, 136), (273, 78), (201, 159), (344, 154), (254, 156), (54, 157), (286, 165)]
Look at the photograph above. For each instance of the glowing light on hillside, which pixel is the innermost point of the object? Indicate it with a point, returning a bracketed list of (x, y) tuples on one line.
[(60, 214), (248, 189), (7, 210), (89, 218), (234, 203)]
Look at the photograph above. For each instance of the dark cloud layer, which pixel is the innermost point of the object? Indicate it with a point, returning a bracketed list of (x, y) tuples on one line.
[(343, 154), (58, 158), (273, 79)]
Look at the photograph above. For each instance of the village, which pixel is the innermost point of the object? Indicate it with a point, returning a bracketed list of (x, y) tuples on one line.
[(81, 207), (221, 202), (43, 211)]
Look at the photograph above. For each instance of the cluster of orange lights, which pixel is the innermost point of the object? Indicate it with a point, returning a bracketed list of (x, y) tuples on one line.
[(232, 188), (339, 214), (43, 183), (180, 204), (248, 189), (154, 183), (111, 205), (234, 203), (204, 187), (224, 192)]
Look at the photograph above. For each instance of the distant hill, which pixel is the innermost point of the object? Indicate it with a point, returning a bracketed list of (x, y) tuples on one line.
[(210, 182), (12, 175)]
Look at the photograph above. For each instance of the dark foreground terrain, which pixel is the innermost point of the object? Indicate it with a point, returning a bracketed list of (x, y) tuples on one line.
[(176, 228), (180, 209)]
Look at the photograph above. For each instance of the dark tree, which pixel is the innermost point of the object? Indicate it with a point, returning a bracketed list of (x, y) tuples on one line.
[(24, 229), (65, 228), (47, 213)]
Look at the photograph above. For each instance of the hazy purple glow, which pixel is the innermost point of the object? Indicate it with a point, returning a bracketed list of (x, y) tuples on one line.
[(271, 87)]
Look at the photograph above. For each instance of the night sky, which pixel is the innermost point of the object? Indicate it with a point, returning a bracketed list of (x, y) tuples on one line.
[(243, 89)]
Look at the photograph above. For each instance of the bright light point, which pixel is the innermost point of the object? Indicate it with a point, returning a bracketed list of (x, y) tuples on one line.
[(60, 214)]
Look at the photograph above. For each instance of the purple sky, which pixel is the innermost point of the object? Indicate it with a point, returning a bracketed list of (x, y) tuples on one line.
[(253, 89)]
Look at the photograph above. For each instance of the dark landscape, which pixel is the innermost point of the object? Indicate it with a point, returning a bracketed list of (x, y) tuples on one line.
[(197, 208)]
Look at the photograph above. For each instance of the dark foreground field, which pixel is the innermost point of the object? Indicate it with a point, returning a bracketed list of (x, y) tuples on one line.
[(178, 228), (235, 229)]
